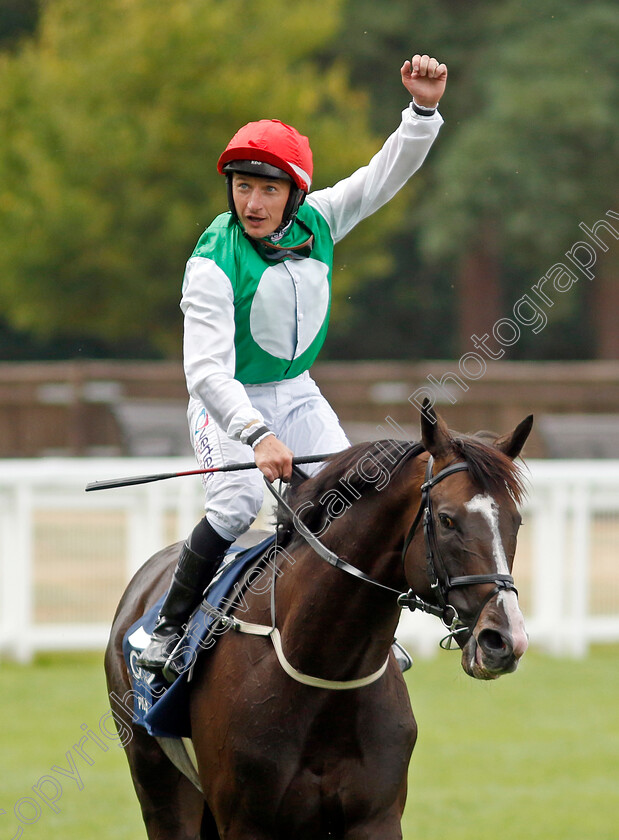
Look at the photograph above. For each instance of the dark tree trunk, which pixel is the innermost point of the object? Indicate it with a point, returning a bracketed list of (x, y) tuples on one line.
[(606, 306), (479, 294)]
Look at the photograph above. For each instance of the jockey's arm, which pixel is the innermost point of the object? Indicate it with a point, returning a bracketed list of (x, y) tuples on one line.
[(208, 349), (355, 198), (209, 365)]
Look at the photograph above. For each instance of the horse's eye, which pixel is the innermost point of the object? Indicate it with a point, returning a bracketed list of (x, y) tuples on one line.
[(446, 521)]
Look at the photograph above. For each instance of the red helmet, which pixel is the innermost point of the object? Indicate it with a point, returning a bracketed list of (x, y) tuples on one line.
[(274, 143)]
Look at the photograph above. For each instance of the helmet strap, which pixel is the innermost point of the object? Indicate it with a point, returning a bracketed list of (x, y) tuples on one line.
[(296, 198), (231, 206)]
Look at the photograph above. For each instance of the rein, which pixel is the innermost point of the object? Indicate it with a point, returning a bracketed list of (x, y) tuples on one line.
[(440, 581), (273, 633), (312, 540)]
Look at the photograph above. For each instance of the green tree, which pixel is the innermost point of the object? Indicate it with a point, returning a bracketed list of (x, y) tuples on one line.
[(418, 296), (538, 155), (113, 121), (527, 152)]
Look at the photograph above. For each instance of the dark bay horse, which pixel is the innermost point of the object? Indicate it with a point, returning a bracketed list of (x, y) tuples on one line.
[(279, 759)]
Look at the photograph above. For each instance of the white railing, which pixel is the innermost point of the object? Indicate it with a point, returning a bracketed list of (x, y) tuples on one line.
[(66, 555)]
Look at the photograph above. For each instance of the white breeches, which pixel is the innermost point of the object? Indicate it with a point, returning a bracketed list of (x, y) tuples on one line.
[(296, 412)]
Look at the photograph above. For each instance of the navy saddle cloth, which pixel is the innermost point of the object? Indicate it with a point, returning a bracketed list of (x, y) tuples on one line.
[(163, 709)]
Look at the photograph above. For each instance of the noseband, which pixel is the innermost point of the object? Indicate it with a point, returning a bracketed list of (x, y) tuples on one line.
[(440, 581)]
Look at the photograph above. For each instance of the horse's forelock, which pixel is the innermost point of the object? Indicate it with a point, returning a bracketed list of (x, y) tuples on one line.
[(490, 468)]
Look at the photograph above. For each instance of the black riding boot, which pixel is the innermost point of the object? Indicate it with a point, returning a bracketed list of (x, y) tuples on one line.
[(192, 575)]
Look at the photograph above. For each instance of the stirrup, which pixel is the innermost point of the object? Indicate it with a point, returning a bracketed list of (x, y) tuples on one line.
[(173, 668)]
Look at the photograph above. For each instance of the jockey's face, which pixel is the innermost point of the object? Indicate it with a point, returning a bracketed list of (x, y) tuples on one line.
[(259, 202)]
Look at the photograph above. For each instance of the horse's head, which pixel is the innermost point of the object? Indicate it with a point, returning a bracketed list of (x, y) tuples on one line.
[(471, 521)]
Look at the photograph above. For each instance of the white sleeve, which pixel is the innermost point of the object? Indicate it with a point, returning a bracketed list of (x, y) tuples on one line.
[(369, 188), (208, 346)]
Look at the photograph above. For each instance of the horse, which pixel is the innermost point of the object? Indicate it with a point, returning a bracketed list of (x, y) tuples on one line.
[(321, 749)]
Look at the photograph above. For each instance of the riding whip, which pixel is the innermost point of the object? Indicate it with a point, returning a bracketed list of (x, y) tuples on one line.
[(108, 484)]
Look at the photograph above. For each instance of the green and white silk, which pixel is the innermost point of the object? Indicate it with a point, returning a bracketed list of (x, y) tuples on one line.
[(251, 320)]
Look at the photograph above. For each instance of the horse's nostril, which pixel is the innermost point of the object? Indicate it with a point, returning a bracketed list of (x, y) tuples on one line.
[(492, 642)]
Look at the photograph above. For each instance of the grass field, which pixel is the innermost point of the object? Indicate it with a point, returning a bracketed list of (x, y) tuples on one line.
[(534, 755)]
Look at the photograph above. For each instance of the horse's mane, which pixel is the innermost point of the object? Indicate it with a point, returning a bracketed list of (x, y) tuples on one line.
[(490, 469), (341, 475)]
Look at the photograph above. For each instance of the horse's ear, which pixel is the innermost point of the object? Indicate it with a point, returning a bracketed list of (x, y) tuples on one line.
[(434, 432), (511, 445)]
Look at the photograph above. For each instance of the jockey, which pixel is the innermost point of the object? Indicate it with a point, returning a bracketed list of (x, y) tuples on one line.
[(256, 298)]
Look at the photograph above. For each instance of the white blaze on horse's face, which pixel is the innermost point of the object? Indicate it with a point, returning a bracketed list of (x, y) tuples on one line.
[(488, 508), (506, 601)]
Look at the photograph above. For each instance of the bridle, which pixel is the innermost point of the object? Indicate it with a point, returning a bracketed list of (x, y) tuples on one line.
[(440, 581)]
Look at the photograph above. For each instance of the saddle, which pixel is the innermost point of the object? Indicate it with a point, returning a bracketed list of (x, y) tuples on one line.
[(163, 709)]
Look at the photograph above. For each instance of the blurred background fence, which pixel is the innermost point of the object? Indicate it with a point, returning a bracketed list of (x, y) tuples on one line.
[(138, 408), (66, 556)]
